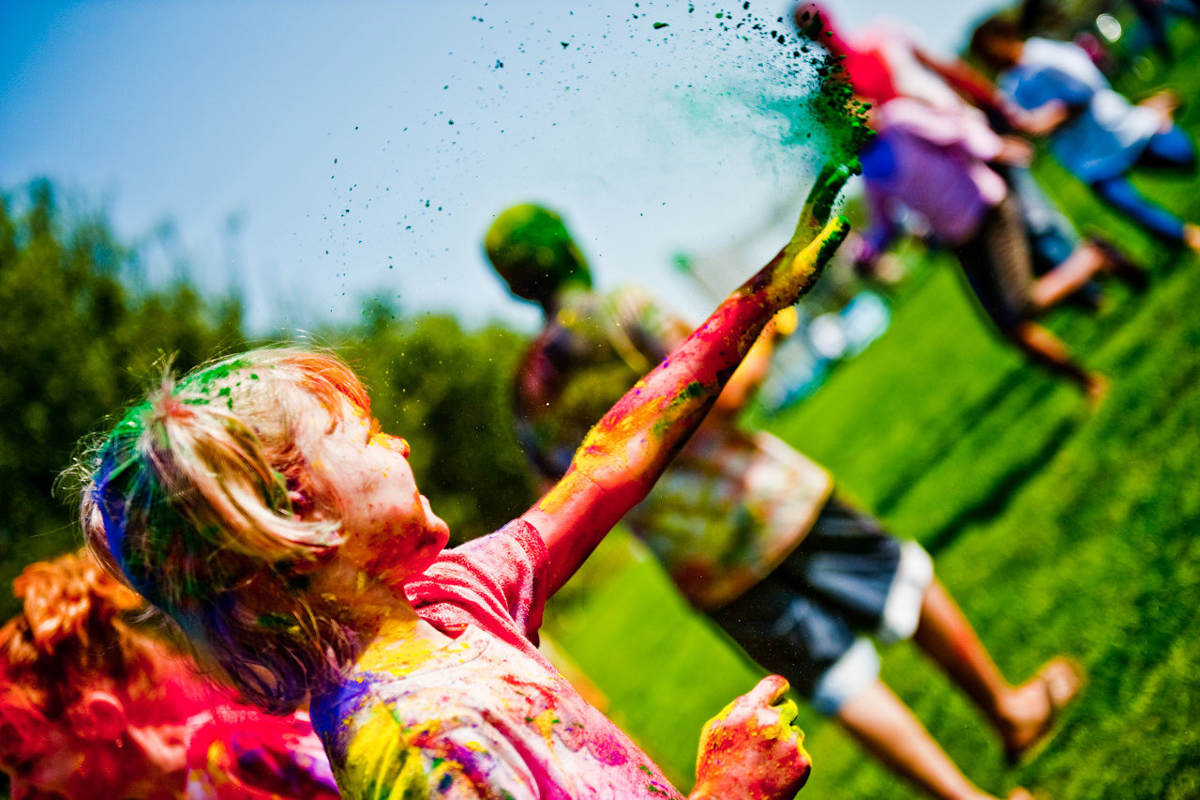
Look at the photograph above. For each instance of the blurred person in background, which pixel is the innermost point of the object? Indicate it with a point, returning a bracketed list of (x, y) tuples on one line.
[(883, 62), (1056, 91), (749, 529), (93, 706), (938, 164)]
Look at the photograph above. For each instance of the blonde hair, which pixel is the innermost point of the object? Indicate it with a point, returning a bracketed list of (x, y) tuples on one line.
[(188, 499)]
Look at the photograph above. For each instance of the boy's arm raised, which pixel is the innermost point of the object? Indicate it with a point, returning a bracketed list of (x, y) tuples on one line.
[(623, 455)]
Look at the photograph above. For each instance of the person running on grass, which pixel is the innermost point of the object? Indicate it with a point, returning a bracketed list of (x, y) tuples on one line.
[(883, 62), (937, 163), (1097, 135), (750, 530)]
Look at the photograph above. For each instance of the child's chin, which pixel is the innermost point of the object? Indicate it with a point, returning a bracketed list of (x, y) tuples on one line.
[(431, 549)]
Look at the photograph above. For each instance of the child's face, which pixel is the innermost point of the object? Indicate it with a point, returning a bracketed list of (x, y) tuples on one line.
[(390, 531)]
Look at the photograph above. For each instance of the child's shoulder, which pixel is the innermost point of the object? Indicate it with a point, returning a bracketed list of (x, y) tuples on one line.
[(496, 582), (493, 556)]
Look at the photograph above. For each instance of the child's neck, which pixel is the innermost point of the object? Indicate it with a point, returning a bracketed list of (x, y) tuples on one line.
[(391, 636), (553, 304), (401, 646)]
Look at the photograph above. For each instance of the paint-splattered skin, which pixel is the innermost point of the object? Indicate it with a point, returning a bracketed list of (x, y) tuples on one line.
[(751, 749), (741, 747), (628, 449)]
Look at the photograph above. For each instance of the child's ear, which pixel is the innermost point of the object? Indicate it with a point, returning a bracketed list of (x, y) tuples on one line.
[(100, 717), (300, 496)]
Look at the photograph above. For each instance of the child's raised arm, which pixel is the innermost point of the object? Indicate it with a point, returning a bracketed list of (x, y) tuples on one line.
[(623, 455)]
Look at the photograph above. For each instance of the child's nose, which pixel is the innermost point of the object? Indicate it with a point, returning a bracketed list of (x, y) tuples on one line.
[(391, 443)]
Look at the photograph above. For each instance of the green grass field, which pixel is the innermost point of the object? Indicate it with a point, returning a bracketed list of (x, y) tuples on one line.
[(1058, 529)]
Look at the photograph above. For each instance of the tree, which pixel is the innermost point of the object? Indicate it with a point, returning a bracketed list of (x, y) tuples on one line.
[(76, 344), (81, 336)]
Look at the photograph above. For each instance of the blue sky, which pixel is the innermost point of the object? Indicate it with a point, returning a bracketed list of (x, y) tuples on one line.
[(313, 154)]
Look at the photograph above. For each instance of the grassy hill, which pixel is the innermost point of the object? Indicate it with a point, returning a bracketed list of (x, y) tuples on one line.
[(1058, 528)]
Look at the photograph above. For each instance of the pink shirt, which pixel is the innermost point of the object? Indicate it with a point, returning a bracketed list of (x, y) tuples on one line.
[(934, 163), (486, 716)]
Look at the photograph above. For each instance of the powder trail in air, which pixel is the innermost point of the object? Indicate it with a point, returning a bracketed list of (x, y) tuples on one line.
[(778, 86)]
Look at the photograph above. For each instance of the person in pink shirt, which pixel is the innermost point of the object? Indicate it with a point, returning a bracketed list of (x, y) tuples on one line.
[(257, 503), (938, 165), (883, 62), (92, 706)]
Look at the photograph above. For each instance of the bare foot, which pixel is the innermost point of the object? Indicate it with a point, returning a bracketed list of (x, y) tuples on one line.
[(1191, 236), (1096, 389), (1034, 706)]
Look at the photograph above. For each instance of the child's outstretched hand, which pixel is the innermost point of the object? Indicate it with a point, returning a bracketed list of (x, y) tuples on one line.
[(798, 265), (624, 454), (751, 749)]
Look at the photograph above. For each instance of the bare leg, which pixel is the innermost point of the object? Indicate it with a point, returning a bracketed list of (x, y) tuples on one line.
[(1046, 349), (1067, 278), (1021, 714), (1191, 236), (887, 729), (948, 638)]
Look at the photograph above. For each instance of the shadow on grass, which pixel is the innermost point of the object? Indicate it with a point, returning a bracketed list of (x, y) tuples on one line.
[(954, 433), (1005, 488)]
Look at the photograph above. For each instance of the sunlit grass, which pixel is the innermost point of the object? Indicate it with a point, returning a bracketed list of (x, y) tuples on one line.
[(1058, 529)]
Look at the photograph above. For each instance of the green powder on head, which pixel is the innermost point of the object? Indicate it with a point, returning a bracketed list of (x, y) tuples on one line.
[(530, 248)]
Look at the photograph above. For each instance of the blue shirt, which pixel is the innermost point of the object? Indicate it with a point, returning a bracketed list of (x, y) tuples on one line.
[(1105, 134)]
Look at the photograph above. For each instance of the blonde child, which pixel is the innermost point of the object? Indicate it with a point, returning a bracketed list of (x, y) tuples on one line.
[(256, 502)]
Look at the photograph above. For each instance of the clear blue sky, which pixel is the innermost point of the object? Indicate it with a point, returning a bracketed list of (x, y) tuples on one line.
[(312, 154)]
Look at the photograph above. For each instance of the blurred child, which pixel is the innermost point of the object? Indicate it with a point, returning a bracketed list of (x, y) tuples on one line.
[(258, 504), (883, 62), (751, 530), (937, 164), (91, 706), (1098, 135)]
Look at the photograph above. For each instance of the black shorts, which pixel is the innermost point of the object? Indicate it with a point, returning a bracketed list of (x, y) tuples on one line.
[(999, 266), (808, 620)]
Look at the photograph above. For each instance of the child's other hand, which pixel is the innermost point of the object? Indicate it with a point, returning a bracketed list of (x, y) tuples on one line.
[(1014, 151), (752, 749)]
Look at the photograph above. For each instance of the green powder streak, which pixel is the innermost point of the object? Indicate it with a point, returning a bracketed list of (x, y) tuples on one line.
[(843, 117), (794, 95)]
